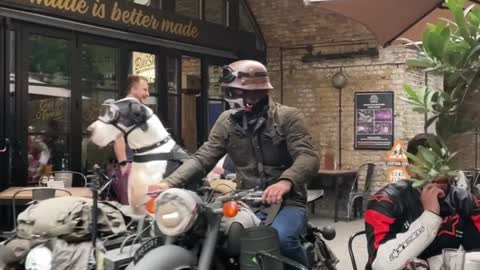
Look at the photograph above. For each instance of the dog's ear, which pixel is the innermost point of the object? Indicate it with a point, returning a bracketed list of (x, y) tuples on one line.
[(144, 127), (139, 115)]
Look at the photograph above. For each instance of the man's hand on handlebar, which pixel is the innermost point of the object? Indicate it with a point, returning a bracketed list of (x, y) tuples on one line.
[(154, 190), (274, 193)]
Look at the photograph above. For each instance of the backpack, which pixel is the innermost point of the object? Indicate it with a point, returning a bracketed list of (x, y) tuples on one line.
[(68, 218)]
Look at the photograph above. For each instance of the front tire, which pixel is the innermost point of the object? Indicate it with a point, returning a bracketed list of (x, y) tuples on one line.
[(172, 258)]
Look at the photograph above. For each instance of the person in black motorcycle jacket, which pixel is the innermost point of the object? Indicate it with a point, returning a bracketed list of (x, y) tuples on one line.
[(403, 223)]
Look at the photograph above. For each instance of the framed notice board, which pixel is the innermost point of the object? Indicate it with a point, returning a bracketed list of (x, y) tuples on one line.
[(373, 120)]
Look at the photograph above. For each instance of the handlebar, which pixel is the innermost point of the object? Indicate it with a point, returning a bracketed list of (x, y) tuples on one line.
[(328, 232), (248, 196)]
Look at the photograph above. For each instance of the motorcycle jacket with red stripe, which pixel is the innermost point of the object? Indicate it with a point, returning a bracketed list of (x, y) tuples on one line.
[(399, 230)]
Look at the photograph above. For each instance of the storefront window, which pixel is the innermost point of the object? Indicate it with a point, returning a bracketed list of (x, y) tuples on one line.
[(49, 92), (99, 83), (191, 88), (173, 97), (10, 124), (11, 106), (216, 104), (189, 8), (99, 79), (215, 11), (144, 64), (245, 19)]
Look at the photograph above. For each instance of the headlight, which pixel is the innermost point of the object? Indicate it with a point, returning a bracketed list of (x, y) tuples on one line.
[(176, 211), (39, 258)]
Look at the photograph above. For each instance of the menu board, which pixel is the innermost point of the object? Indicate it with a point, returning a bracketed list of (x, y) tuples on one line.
[(373, 120)]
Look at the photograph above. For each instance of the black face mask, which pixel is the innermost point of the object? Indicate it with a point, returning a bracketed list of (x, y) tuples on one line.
[(249, 119), (260, 107)]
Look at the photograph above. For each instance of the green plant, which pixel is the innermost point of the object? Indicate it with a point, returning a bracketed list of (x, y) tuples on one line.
[(430, 163), (451, 49)]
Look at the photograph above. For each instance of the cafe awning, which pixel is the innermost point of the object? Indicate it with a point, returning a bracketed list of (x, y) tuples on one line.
[(415, 32), (386, 19)]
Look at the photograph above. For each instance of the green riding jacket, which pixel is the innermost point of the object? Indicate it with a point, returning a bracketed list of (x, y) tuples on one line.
[(277, 147)]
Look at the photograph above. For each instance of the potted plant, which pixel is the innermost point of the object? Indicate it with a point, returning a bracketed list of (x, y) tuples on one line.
[(452, 49)]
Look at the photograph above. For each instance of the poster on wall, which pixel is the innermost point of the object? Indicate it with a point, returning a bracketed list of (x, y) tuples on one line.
[(373, 120)]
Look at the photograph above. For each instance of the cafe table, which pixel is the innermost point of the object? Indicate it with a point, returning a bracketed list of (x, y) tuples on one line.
[(340, 175), (6, 195)]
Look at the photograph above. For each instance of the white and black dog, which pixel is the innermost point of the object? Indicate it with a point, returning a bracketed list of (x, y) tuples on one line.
[(156, 155)]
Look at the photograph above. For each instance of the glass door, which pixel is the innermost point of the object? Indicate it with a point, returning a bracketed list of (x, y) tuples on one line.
[(48, 100), (216, 103), (5, 154), (191, 89), (99, 76)]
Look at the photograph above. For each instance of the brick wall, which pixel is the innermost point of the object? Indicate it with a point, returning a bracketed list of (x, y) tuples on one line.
[(289, 27), (467, 144)]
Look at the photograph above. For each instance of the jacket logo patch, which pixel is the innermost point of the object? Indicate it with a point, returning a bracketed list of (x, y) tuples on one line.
[(449, 226), (396, 252), (380, 198)]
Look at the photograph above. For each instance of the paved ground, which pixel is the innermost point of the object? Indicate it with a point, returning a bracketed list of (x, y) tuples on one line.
[(339, 245)]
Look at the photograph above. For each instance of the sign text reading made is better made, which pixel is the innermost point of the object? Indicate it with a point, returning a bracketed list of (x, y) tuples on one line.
[(119, 12)]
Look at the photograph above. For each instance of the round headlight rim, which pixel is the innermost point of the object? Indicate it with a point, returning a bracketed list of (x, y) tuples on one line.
[(187, 206)]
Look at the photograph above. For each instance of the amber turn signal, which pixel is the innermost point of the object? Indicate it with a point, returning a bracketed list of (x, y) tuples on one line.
[(230, 209), (150, 206)]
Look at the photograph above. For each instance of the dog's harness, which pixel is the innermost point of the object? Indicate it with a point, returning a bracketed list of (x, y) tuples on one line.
[(126, 133), (176, 154)]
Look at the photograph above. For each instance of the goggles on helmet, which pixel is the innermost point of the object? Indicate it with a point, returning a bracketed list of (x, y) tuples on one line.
[(229, 75)]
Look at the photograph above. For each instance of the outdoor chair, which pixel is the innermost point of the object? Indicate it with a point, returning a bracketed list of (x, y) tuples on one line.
[(477, 177), (472, 176), (313, 194), (365, 173), (350, 249), (38, 194)]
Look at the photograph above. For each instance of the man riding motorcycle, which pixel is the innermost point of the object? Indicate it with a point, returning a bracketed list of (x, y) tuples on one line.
[(269, 145)]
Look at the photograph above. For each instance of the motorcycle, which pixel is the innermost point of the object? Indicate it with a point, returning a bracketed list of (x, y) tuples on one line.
[(199, 230), (75, 227)]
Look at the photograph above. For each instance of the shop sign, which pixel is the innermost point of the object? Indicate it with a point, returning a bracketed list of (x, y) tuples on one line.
[(397, 162), (373, 120), (137, 18), (50, 109), (395, 174), (144, 65), (54, 109), (397, 155)]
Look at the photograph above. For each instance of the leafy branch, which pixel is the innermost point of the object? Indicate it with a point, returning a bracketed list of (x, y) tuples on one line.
[(451, 49)]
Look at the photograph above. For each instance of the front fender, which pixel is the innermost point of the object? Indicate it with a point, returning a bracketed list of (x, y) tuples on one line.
[(167, 257)]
